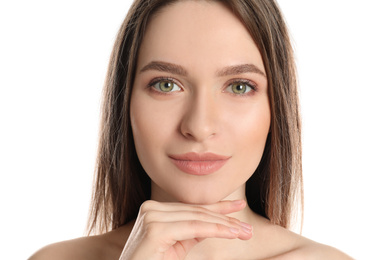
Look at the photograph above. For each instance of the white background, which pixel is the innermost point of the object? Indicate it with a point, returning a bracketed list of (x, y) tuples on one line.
[(53, 58)]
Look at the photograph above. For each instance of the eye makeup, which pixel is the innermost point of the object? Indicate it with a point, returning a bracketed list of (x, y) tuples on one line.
[(236, 87)]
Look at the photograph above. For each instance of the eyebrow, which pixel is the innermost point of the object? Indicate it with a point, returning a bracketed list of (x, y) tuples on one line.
[(179, 70), (165, 67), (240, 69)]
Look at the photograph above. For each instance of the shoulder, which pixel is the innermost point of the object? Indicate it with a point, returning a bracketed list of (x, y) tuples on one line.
[(284, 244), (80, 248), (101, 247), (313, 250), (303, 248)]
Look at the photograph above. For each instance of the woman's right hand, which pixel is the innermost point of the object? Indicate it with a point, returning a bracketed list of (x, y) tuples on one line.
[(165, 231)]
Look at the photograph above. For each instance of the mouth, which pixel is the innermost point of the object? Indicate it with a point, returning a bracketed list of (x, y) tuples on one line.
[(199, 163)]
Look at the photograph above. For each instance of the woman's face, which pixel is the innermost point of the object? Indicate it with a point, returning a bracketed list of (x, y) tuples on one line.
[(200, 113)]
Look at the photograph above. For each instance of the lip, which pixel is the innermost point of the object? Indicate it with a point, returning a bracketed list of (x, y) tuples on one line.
[(199, 163)]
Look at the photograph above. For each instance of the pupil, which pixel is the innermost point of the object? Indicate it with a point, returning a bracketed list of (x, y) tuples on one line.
[(167, 86), (239, 88)]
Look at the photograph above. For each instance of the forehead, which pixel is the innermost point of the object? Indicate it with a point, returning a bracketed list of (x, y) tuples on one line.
[(198, 33)]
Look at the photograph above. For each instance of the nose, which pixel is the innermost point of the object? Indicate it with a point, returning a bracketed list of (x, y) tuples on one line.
[(200, 120)]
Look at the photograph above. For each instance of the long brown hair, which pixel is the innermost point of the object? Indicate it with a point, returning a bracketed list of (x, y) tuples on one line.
[(121, 185)]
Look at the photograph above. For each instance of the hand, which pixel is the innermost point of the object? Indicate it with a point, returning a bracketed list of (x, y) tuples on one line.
[(165, 231)]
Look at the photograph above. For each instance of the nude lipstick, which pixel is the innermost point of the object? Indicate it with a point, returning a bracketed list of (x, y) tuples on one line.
[(199, 163)]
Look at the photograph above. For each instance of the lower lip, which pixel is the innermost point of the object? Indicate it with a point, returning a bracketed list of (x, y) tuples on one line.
[(199, 167)]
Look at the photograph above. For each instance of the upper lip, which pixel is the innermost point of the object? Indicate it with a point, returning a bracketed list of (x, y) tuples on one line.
[(199, 157)]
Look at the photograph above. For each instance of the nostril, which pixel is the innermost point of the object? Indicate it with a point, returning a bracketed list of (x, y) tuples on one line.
[(200, 120), (198, 133)]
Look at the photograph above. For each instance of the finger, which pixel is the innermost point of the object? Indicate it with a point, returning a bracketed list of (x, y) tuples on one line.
[(226, 206), (173, 216), (186, 230), (177, 216), (149, 208), (222, 207), (200, 230)]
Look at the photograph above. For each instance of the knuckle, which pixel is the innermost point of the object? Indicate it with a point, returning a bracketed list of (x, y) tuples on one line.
[(220, 228), (233, 220), (148, 216), (147, 205), (194, 226)]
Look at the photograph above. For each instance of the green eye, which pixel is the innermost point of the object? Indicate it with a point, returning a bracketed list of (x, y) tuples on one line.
[(239, 88), (166, 86)]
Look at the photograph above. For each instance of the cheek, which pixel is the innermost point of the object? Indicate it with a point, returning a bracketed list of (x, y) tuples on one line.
[(255, 129), (152, 127), (142, 128), (249, 133), (249, 122)]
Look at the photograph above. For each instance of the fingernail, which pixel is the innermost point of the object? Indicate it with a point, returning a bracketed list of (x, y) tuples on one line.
[(234, 230), (238, 202), (245, 225), (247, 230)]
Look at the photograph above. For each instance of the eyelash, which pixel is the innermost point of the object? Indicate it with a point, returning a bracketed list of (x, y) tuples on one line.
[(246, 82), (160, 79)]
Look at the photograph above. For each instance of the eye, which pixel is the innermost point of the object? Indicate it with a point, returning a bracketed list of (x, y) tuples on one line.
[(239, 88), (165, 86)]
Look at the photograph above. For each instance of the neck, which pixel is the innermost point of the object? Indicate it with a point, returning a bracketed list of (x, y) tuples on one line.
[(215, 248)]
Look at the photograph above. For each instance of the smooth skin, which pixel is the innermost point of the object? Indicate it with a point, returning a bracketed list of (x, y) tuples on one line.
[(200, 87)]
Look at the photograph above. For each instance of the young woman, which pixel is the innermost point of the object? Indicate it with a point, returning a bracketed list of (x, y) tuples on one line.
[(200, 150)]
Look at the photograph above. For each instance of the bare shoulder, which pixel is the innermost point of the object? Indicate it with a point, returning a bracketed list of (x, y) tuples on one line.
[(101, 247), (313, 250), (304, 248), (80, 248), (284, 244)]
